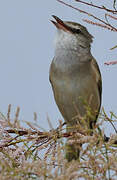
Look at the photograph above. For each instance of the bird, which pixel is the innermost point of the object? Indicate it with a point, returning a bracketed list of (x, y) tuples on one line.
[(76, 79)]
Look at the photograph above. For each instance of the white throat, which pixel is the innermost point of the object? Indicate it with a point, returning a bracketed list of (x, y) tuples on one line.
[(70, 50), (65, 40)]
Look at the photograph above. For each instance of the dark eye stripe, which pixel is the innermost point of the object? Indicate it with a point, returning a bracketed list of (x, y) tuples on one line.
[(74, 30)]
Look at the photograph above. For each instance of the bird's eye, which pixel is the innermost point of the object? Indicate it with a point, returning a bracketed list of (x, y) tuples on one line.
[(76, 30)]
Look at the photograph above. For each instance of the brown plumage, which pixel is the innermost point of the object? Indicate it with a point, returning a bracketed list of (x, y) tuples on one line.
[(75, 78)]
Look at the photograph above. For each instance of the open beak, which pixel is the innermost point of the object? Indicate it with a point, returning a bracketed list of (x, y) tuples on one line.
[(59, 23)]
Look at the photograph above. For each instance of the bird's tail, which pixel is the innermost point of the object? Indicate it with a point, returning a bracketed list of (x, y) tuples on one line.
[(72, 151)]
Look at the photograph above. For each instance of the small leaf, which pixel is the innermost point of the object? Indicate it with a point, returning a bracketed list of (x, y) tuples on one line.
[(113, 47)]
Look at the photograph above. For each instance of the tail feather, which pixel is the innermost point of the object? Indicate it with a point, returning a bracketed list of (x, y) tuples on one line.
[(72, 152)]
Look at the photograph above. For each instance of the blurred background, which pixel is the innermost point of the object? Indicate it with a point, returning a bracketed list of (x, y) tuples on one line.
[(27, 49)]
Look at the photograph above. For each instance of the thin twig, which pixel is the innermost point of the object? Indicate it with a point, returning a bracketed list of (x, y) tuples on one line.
[(91, 15), (98, 24), (99, 7), (109, 120), (16, 115), (9, 112), (110, 63), (113, 17)]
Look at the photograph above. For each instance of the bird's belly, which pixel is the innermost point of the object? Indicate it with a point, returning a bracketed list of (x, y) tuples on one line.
[(73, 98)]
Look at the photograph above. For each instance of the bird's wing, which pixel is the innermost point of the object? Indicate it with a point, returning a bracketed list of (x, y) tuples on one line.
[(97, 75), (98, 78)]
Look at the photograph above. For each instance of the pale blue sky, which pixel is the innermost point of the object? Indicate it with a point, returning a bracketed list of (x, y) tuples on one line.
[(26, 51)]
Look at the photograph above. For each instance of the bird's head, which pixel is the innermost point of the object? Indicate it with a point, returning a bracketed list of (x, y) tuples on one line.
[(71, 35)]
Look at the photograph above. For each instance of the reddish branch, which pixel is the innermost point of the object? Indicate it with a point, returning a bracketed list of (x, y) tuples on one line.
[(41, 135), (42, 138), (110, 63), (91, 15), (37, 140), (98, 7), (98, 24), (113, 17)]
